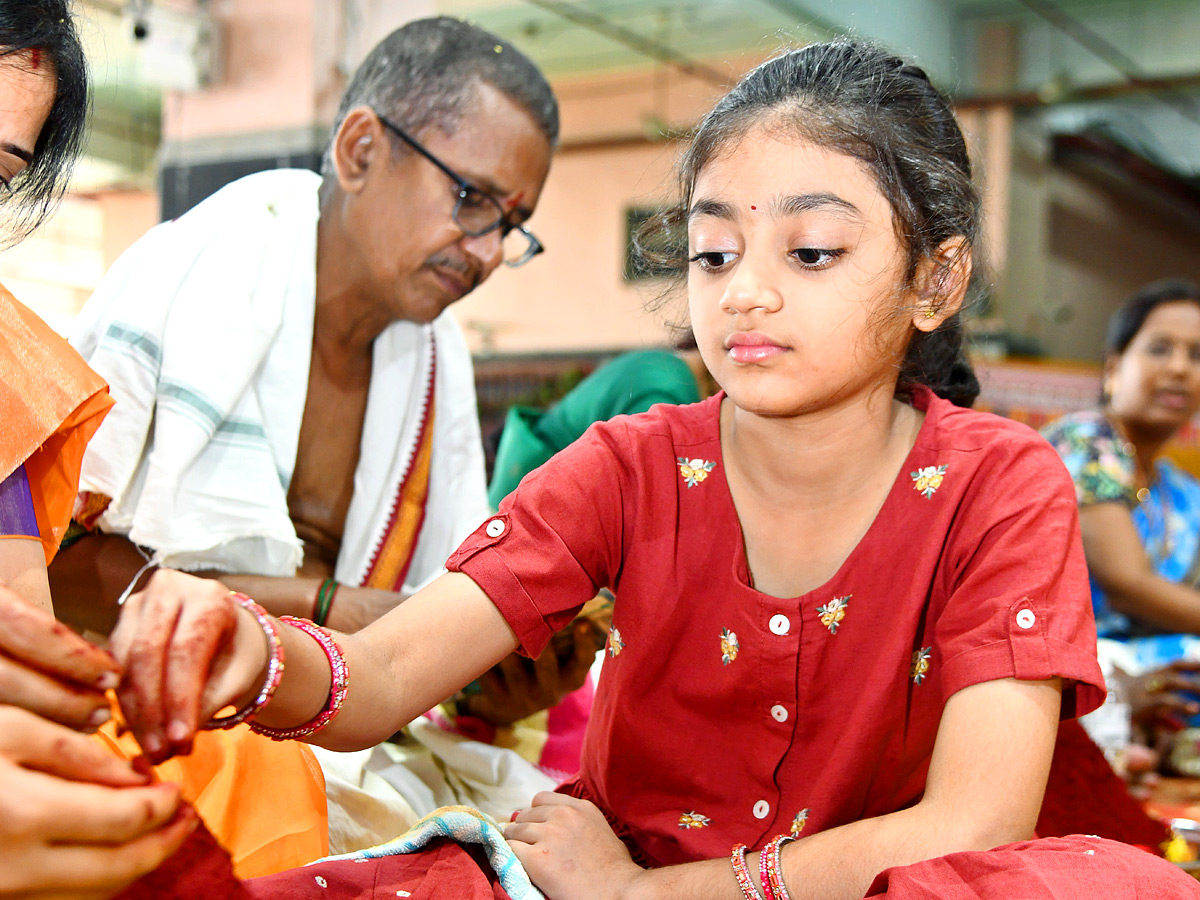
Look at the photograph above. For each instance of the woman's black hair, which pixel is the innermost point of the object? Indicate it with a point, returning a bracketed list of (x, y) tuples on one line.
[(46, 27), (858, 99), (1127, 321)]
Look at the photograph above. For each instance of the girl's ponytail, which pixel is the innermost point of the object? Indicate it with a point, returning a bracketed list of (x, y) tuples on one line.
[(939, 361)]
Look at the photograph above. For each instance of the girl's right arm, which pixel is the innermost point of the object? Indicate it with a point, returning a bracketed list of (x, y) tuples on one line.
[(1117, 560), (188, 652)]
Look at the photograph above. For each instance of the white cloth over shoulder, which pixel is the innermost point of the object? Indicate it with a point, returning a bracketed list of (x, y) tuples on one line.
[(203, 329)]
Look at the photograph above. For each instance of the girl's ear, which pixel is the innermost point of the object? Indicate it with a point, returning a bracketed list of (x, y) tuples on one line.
[(941, 282), (355, 148)]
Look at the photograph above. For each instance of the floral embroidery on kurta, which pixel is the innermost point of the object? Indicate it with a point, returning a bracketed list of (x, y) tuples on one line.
[(928, 479), (833, 612), (729, 646), (693, 819), (799, 822), (694, 471), (920, 664), (615, 644)]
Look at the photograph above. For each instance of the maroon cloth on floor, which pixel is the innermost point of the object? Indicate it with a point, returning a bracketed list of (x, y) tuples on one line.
[(1067, 868), (1085, 796), (443, 869), (199, 870)]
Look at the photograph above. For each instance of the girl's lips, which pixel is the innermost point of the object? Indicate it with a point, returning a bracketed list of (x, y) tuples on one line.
[(751, 347), (752, 353)]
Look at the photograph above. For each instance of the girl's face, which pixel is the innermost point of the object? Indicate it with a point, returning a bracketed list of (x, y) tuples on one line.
[(27, 90), (794, 268), (1155, 383)]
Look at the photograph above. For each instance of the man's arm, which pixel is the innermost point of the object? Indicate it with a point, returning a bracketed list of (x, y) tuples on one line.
[(1118, 562), (984, 789), (88, 577)]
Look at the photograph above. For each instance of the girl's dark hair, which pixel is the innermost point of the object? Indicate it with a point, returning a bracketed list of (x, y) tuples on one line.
[(1127, 321), (860, 100), (47, 27)]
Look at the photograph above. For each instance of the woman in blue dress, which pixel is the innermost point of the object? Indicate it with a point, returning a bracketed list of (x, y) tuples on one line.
[(1139, 512)]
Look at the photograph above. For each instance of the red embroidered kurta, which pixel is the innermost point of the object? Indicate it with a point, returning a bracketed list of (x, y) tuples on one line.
[(724, 714)]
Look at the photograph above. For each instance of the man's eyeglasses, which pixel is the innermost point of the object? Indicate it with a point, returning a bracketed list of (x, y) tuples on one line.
[(477, 212)]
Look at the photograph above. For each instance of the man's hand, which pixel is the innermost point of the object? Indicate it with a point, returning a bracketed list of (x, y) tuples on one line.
[(569, 850), (518, 687), (75, 820), (48, 669)]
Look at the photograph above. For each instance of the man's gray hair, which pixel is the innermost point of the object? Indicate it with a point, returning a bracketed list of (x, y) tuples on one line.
[(424, 73)]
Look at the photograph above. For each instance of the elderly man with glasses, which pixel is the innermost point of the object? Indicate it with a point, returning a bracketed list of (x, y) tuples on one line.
[(295, 409)]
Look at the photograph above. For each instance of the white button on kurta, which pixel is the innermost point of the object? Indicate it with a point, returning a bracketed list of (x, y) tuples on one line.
[(779, 713), (1026, 618), (495, 528), (762, 809), (779, 624)]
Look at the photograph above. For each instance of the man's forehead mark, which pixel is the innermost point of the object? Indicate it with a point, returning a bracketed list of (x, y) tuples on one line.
[(35, 58)]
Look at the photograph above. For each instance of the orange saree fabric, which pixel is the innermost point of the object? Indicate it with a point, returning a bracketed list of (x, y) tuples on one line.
[(51, 404)]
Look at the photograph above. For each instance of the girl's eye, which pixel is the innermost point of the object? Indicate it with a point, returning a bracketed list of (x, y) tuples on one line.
[(814, 257), (1157, 348), (712, 259)]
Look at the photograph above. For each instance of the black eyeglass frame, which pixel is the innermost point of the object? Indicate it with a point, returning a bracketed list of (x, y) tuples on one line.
[(465, 189)]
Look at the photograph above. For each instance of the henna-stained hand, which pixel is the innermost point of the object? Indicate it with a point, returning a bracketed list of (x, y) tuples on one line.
[(48, 669), (75, 820), (188, 651)]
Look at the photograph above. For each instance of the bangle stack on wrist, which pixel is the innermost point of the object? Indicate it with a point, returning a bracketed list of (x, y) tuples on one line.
[(742, 873), (274, 667), (339, 683), (770, 871)]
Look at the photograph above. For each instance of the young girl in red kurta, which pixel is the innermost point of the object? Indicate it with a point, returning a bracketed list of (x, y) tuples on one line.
[(848, 611)]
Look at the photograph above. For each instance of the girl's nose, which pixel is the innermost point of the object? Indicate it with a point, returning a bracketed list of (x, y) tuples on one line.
[(750, 289)]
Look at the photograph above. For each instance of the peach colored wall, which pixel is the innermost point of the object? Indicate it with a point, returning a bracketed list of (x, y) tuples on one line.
[(267, 79), (127, 216)]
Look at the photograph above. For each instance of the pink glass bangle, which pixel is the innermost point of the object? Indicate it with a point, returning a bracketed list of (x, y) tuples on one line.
[(742, 874), (274, 666), (769, 869), (339, 682)]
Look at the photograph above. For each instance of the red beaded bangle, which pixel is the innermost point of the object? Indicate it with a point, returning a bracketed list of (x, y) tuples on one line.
[(769, 869), (742, 874), (274, 666), (339, 682)]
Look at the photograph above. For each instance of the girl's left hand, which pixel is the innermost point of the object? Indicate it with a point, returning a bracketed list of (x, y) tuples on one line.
[(569, 850)]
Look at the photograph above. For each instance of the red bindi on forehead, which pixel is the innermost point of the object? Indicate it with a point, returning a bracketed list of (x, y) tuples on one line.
[(35, 58)]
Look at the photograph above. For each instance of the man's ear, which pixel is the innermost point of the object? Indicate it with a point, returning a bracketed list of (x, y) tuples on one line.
[(356, 147), (941, 283)]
